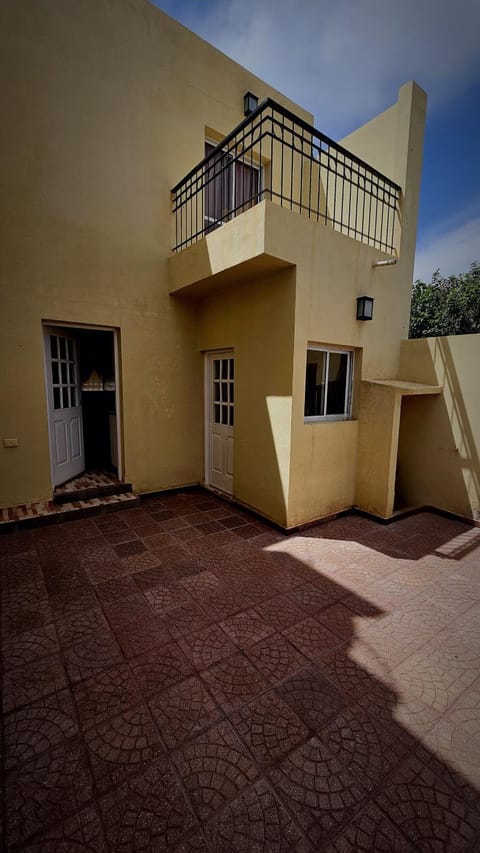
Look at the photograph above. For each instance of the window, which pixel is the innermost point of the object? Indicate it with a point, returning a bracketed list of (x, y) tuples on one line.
[(328, 384), (231, 186)]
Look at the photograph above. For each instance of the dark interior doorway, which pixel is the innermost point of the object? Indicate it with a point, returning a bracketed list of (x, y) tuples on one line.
[(97, 384)]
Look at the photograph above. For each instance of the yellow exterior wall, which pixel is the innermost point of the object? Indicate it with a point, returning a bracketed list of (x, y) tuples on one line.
[(439, 445), (107, 107), (256, 320), (105, 104)]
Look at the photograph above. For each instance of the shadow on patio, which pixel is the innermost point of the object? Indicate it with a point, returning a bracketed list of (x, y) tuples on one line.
[(182, 677)]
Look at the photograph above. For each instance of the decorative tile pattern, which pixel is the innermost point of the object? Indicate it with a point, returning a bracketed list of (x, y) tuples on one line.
[(81, 832), (183, 710), (28, 647), (46, 790), (160, 668), (214, 767), (105, 694), (207, 647), (234, 682), (38, 727), (148, 812), (276, 658), (311, 638), (269, 728), (312, 697), (318, 789), (256, 821), (246, 628), (121, 746), (370, 831), (424, 810), (24, 684)]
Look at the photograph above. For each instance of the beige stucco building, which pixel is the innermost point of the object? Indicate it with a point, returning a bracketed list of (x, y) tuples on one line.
[(220, 319)]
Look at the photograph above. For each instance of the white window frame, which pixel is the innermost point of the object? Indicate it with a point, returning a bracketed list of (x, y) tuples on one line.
[(347, 415)]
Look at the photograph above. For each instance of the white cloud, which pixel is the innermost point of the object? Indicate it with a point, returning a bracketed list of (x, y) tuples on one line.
[(451, 248), (345, 60)]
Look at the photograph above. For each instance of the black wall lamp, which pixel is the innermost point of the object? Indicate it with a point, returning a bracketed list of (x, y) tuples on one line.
[(365, 308), (250, 103)]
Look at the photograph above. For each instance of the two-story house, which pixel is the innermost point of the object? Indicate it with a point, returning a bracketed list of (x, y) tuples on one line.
[(198, 286)]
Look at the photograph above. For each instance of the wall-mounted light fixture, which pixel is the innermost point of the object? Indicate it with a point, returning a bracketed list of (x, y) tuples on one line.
[(250, 103), (365, 308), (389, 262)]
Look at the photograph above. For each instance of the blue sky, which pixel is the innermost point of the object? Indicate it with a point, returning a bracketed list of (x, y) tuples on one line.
[(344, 61)]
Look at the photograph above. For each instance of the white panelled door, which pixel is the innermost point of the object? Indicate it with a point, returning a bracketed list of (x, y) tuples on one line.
[(64, 405), (220, 407)]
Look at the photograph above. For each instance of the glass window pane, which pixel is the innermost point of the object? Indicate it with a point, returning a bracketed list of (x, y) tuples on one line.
[(73, 396), (231, 392), (216, 414), (71, 373), (63, 373), (337, 382), (66, 398), (315, 383), (231, 416), (216, 391), (63, 351), (232, 369), (55, 378), (216, 369), (225, 415), (56, 399), (225, 368), (224, 392), (53, 346)]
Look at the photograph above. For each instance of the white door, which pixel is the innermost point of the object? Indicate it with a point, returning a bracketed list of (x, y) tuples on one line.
[(64, 405), (220, 403)]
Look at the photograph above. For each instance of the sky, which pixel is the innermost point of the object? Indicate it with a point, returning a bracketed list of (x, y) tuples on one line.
[(344, 61)]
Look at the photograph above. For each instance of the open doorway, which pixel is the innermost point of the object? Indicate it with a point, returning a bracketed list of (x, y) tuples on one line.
[(81, 379)]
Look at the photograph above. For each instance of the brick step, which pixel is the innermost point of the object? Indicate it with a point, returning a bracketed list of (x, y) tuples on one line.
[(64, 496), (48, 512)]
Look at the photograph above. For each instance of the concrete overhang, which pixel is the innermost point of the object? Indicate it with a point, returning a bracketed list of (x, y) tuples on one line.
[(248, 246), (407, 389)]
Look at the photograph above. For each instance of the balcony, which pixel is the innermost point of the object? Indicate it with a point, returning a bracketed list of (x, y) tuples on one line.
[(275, 156)]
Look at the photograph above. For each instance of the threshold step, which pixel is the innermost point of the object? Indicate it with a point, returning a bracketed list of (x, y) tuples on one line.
[(49, 512)]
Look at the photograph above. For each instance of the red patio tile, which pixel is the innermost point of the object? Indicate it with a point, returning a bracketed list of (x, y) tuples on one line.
[(370, 831), (30, 646), (214, 767), (318, 789), (276, 658), (188, 619), (158, 669), (38, 727), (311, 638), (424, 809), (280, 612), (312, 697), (183, 710), (116, 588), (164, 598), (46, 790), (152, 802), (256, 820), (269, 727), (105, 694), (138, 637), (127, 609), (25, 684), (234, 682), (121, 746), (246, 628), (207, 647), (83, 831)]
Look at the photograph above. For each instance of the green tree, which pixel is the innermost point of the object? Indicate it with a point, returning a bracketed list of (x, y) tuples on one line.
[(446, 306)]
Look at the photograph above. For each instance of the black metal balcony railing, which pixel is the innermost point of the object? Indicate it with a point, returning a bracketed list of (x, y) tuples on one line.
[(275, 155)]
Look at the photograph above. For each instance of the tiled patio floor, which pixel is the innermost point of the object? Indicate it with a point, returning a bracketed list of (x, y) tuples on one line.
[(180, 677)]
